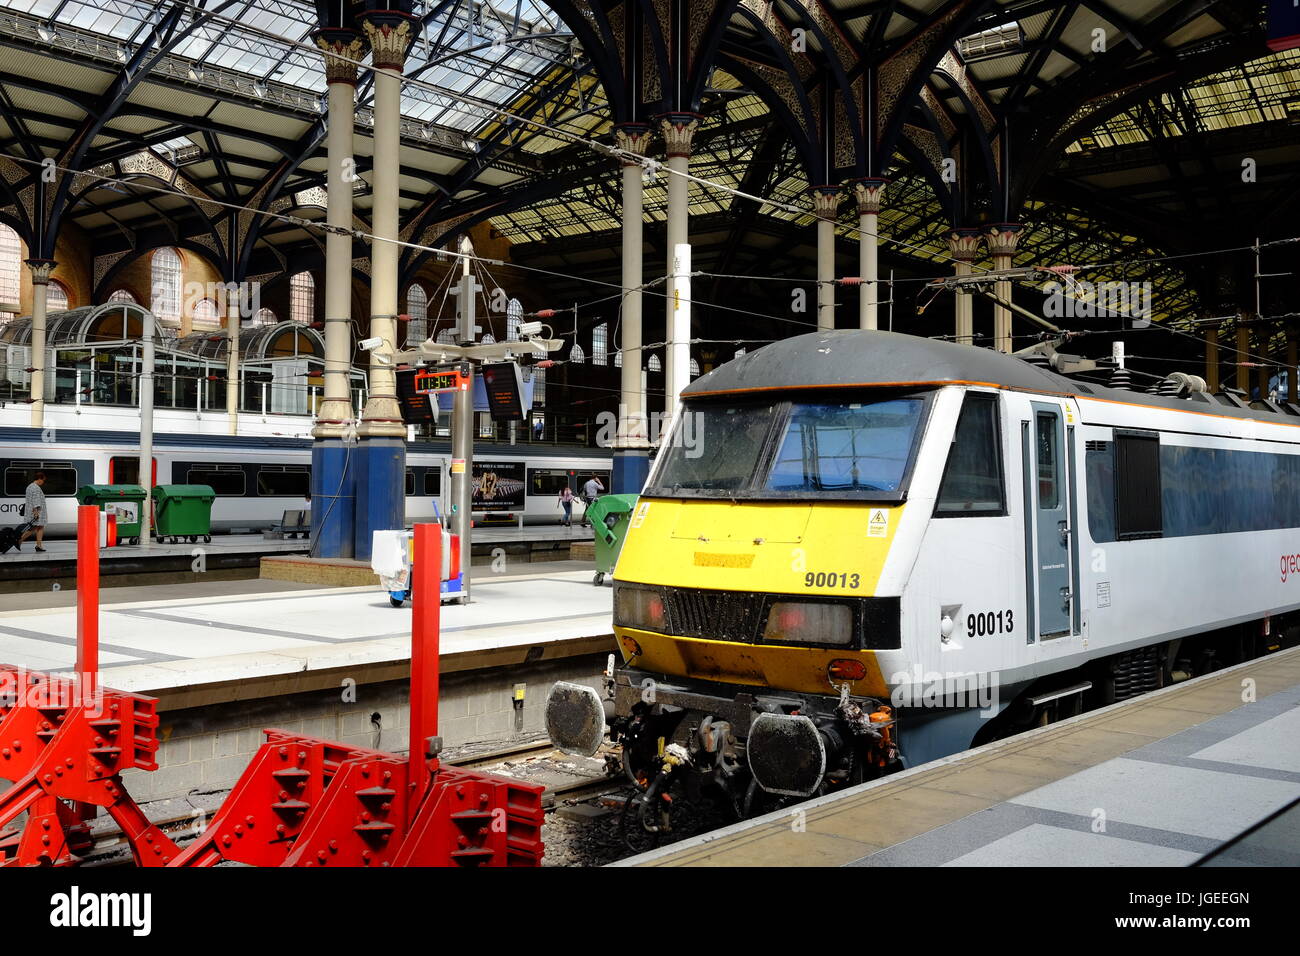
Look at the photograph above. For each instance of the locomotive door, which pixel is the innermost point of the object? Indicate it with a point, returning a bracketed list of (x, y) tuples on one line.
[(1049, 492)]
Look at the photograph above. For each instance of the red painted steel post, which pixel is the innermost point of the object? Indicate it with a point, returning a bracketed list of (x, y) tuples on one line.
[(88, 600), (426, 606)]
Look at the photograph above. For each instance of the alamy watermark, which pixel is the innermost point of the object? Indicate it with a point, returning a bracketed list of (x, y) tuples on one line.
[(1090, 300)]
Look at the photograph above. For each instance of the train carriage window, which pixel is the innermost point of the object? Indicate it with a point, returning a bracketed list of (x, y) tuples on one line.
[(224, 480), (410, 483), (125, 470), (60, 478), (549, 482), (1048, 486), (1138, 512), (283, 481), (433, 482), (972, 480)]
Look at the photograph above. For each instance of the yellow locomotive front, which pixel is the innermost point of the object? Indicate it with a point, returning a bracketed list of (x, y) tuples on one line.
[(747, 599)]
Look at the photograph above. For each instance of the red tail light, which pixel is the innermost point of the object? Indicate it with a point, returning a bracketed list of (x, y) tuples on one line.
[(846, 668)]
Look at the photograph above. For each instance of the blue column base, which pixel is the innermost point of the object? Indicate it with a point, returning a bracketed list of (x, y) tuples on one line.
[(333, 497), (381, 491), (631, 468)]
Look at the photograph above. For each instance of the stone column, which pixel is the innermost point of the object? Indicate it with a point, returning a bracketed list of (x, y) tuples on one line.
[(826, 204), (232, 358), (870, 194), (40, 270), (1293, 387), (963, 246), (1264, 370), (381, 477), (678, 131), (333, 483), (631, 445), (1212, 358), (1001, 240), (1243, 354)]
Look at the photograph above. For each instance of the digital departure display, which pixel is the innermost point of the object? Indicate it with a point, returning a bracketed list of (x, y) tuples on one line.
[(417, 408), (504, 385)]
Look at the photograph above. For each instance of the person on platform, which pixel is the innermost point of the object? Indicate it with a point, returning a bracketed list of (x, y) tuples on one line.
[(566, 502), (590, 492), (35, 511)]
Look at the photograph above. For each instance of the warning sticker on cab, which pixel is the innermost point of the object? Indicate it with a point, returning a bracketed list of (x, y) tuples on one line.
[(639, 517), (878, 523)]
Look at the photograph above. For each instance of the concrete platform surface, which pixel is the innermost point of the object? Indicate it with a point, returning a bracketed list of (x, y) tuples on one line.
[(228, 643), (1160, 780)]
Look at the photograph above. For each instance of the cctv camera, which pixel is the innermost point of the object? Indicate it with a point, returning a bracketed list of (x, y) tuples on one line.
[(368, 344)]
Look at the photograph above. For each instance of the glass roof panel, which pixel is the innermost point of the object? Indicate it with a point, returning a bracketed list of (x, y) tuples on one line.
[(489, 52)]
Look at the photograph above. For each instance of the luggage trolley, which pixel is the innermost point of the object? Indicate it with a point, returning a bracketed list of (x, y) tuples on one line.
[(392, 554)]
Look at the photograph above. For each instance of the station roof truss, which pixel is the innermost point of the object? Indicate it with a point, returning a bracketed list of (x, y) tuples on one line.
[(1072, 116)]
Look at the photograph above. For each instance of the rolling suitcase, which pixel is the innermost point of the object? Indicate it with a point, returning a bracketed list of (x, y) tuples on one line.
[(9, 536)]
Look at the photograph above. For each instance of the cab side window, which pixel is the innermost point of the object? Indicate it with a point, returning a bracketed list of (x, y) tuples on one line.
[(972, 480)]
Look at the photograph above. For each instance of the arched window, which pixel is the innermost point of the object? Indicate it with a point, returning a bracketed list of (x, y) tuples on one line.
[(166, 280), (205, 313), (11, 268), (739, 352), (618, 359), (514, 315), (56, 298), (539, 387), (695, 369), (654, 365), (122, 296), (600, 344), (302, 298), (265, 317), (576, 355), (417, 307), (489, 339), (447, 337)]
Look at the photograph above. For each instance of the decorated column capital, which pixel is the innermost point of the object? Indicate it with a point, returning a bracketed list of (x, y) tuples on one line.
[(679, 130), (342, 50), (870, 195), (964, 244), (390, 34), (826, 202), (41, 269), (632, 138), (1002, 238)]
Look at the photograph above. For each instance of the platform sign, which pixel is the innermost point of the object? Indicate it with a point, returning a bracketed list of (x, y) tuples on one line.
[(498, 486), (504, 384), (417, 408), (1283, 25)]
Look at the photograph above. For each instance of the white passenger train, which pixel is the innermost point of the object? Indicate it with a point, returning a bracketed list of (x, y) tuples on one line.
[(892, 549), (257, 479)]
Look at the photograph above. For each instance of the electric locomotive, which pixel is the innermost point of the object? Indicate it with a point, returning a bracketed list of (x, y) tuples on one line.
[(877, 549)]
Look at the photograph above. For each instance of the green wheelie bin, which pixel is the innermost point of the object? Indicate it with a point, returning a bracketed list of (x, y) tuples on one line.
[(128, 501), (609, 516), (183, 511)]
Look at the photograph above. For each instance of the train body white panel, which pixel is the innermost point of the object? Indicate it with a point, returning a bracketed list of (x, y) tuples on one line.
[(259, 470), (1019, 606)]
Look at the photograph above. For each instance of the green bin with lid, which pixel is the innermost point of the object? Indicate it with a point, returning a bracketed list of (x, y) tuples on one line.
[(183, 512)]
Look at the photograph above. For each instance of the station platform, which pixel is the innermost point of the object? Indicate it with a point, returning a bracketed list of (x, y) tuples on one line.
[(28, 570), (1160, 780), (241, 555), (333, 662)]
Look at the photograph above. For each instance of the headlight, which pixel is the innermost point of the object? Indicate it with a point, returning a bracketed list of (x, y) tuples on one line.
[(791, 622), (640, 608)]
